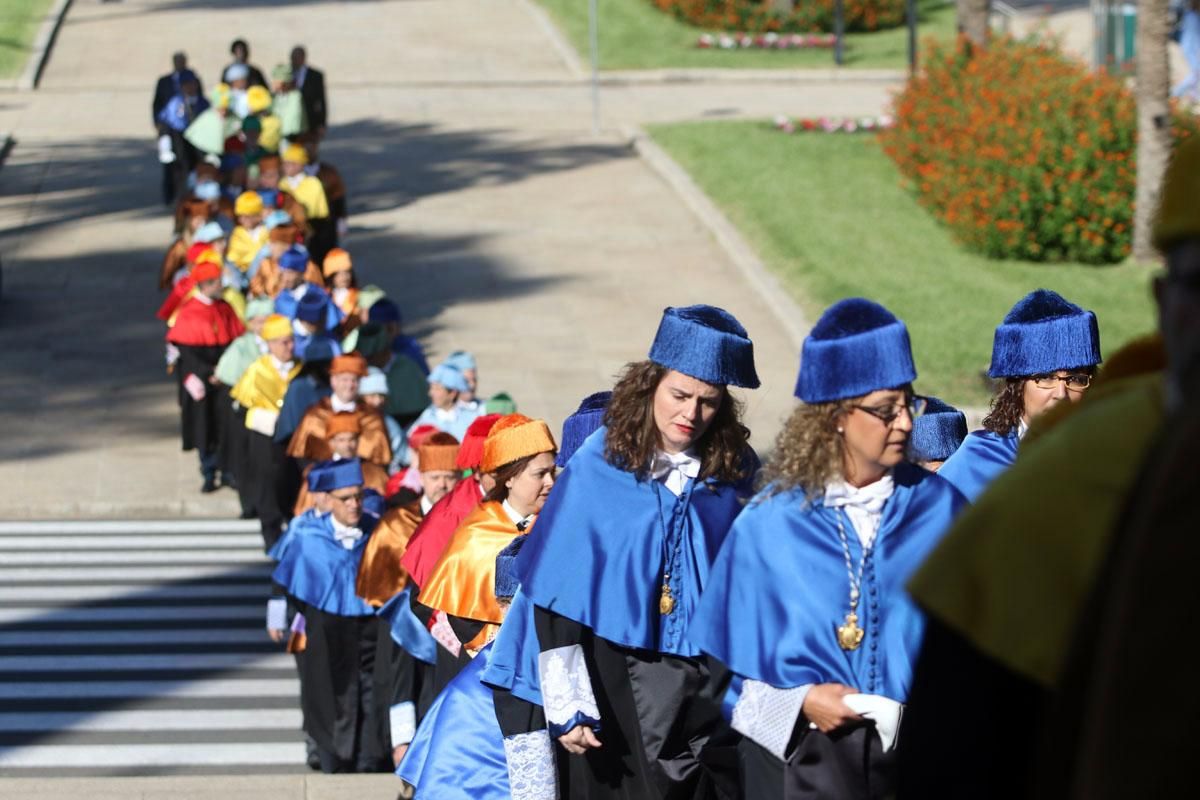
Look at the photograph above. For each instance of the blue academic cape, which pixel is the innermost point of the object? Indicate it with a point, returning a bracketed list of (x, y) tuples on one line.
[(409, 634), (598, 551), (287, 303), (513, 663), (980, 460), (318, 571), (780, 588), (293, 528), (458, 751)]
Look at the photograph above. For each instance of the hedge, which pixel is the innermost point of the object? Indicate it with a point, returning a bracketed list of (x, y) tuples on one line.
[(1022, 152)]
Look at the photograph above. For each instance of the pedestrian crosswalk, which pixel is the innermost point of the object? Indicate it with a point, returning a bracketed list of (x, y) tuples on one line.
[(137, 648)]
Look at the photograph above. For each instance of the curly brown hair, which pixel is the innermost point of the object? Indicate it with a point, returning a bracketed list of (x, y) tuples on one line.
[(1007, 408), (808, 450), (632, 437)]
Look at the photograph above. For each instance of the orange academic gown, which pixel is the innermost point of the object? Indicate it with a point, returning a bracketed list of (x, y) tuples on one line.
[(463, 583), (380, 576), (309, 441)]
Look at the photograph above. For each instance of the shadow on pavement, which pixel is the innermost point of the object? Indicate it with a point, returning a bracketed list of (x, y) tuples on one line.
[(81, 353)]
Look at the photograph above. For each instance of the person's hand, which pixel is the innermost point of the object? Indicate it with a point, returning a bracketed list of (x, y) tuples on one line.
[(276, 634), (398, 753), (579, 740), (824, 707)]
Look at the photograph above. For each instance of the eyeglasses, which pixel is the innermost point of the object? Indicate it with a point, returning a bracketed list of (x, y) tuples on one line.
[(1076, 382), (913, 406), (357, 497)]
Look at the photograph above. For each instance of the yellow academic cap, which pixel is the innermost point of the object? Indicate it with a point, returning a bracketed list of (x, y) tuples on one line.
[(276, 326), (258, 99), (296, 154), (248, 203)]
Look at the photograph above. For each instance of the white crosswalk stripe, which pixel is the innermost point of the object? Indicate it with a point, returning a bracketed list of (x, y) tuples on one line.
[(139, 646)]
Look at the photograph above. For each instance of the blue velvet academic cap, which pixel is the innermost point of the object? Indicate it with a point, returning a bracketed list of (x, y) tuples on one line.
[(856, 347), (294, 258), (706, 343), (384, 311), (460, 360), (580, 425), (319, 477), (1044, 333), (311, 307), (342, 474), (938, 432), (506, 568), (450, 377)]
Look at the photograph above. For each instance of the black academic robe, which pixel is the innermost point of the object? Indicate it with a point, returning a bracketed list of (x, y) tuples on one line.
[(337, 692), (200, 420), (680, 748)]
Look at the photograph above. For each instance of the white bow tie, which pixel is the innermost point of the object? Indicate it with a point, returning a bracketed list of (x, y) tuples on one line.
[(346, 536), (674, 470)]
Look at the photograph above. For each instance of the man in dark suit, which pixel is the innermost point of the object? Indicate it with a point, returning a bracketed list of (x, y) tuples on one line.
[(311, 83), (241, 55), (167, 87)]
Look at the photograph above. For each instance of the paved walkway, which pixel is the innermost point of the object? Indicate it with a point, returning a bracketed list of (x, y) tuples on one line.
[(479, 198)]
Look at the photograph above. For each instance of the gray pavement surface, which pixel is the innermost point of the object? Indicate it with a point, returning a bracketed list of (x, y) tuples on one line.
[(139, 649), (479, 197)]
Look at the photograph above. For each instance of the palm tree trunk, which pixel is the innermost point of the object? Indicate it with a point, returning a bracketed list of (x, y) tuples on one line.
[(1153, 111), (973, 19)]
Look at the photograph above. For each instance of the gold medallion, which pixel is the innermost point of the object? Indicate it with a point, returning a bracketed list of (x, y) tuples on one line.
[(850, 636), (666, 603)]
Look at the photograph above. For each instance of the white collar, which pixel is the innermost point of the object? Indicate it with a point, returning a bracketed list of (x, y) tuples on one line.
[(203, 298), (674, 470), (282, 367), (521, 522), (339, 406), (445, 415), (261, 342), (345, 535), (426, 504), (1022, 429), (863, 505)]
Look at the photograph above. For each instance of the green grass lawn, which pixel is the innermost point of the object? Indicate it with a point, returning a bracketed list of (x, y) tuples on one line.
[(19, 21), (828, 214), (633, 34)]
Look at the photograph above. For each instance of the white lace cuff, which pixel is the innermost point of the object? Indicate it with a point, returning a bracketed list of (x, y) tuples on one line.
[(402, 718), (767, 716), (531, 772), (566, 688)]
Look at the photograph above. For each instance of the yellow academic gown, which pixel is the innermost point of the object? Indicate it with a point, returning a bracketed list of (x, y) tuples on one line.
[(261, 388), (244, 245), (309, 193), (463, 583)]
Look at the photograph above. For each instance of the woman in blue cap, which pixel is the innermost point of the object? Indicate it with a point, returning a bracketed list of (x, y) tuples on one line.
[(620, 554), (1046, 351), (806, 604)]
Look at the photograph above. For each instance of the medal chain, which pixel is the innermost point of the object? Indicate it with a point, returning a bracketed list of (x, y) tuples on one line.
[(855, 580)]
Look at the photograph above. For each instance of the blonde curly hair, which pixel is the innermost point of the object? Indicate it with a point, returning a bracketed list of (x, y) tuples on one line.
[(808, 451)]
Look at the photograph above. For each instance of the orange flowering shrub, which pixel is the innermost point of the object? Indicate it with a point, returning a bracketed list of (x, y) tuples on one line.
[(808, 16), (1021, 152)]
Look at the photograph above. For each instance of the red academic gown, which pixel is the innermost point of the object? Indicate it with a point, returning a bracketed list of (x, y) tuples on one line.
[(201, 332), (430, 538)]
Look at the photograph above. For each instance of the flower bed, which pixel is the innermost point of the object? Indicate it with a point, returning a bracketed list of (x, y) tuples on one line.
[(766, 41), (808, 16), (1020, 152), (833, 124)]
